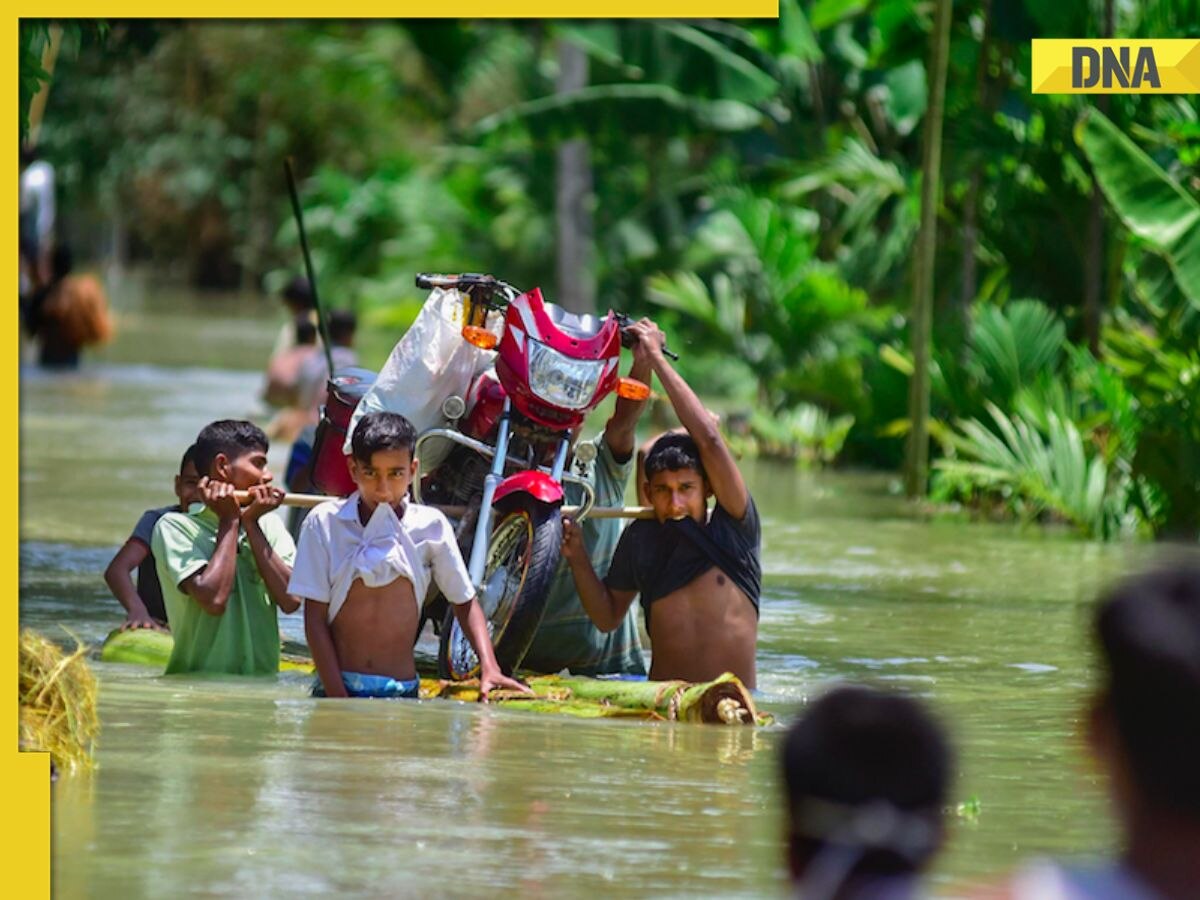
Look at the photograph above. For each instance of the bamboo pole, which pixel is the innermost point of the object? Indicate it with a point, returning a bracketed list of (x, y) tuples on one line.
[(455, 512)]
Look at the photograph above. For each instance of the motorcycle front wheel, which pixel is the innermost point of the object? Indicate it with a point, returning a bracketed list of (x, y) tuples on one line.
[(523, 554)]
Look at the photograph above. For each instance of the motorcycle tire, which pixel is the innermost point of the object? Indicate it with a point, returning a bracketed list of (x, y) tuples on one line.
[(524, 550)]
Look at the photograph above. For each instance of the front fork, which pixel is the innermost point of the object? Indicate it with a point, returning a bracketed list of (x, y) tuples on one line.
[(483, 525)]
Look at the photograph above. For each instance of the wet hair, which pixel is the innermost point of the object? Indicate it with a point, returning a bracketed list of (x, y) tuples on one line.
[(342, 325), (858, 761), (189, 456), (382, 431), (233, 437), (306, 331), (1148, 628), (298, 295), (672, 452)]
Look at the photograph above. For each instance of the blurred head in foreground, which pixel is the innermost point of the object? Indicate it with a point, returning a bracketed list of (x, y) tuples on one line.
[(1145, 723), (867, 774)]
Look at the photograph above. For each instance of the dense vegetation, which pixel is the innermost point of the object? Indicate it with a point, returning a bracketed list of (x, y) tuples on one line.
[(754, 185)]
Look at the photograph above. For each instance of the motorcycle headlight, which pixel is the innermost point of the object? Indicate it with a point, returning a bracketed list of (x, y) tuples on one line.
[(558, 379)]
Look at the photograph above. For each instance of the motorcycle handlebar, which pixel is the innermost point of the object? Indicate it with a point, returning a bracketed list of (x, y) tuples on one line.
[(428, 280), (624, 321)]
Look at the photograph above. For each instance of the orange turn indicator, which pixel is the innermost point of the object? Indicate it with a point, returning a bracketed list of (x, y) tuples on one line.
[(632, 389), (479, 337)]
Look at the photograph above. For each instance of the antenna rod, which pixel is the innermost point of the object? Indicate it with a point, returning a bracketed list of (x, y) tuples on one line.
[(322, 324)]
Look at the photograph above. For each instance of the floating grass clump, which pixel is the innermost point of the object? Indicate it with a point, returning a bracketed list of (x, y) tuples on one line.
[(57, 696)]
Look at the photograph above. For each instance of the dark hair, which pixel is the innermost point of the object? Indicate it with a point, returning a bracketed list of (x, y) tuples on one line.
[(189, 456), (233, 437), (857, 749), (342, 325), (382, 431), (62, 261), (672, 452), (306, 331), (1148, 628), (298, 295)]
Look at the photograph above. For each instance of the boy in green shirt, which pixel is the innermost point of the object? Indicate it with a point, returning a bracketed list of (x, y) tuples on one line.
[(224, 569)]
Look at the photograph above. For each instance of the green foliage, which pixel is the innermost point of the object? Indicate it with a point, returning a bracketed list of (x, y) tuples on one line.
[(804, 433), (1151, 204), (1008, 349), (755, 289), (34, 37), (1165, 382), (1036, 472), (756, 189), (969, 810), (1012, 345)]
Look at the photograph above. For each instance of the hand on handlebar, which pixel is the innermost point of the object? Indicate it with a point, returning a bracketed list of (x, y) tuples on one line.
[(630, 336), (646, 337)]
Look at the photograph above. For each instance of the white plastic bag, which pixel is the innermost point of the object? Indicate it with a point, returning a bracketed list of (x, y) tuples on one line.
[(431, 362)]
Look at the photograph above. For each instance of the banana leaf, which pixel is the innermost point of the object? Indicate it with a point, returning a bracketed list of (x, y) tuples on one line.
[(1148, 201)]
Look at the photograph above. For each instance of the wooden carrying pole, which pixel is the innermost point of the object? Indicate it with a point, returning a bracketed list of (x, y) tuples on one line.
[(596, 512)]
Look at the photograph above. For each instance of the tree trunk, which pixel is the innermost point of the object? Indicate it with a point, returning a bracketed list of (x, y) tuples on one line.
[(917, 462), (37, 107), (1093, 273), (970, 228), (573, 199)]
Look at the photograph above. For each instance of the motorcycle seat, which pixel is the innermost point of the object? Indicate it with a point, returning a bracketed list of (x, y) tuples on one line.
[(580, 325)]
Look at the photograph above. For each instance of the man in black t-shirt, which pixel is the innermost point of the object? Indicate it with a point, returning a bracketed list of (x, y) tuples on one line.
[(698, 575)]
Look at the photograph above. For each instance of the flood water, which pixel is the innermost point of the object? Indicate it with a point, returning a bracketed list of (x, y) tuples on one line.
[(247, 787)]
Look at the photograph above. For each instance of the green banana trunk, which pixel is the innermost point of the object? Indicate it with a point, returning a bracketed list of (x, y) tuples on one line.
[(723, 701)]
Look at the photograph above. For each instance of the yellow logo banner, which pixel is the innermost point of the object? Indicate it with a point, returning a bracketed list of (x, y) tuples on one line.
[(1168, 66)]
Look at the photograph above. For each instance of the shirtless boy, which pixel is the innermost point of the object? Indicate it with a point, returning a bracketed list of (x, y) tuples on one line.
[(363, 567), (698, 575)]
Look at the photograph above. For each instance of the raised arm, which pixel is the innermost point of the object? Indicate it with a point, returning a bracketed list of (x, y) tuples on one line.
[(719, 465), (274, 570), (605, 607), (621, 428)]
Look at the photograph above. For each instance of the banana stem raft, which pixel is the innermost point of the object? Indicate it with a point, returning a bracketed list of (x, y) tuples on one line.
[(722, 701)]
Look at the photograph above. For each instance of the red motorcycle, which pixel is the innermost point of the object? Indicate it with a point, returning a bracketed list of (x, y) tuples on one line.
[(513, 437)]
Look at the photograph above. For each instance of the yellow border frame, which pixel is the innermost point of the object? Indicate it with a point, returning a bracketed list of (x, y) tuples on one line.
[(25, 777)]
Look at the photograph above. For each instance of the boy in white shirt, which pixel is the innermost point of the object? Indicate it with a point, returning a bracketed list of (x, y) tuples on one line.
[(363, 566)]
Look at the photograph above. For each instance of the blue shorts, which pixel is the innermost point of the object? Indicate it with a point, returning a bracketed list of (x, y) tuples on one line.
[(373, 686)]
